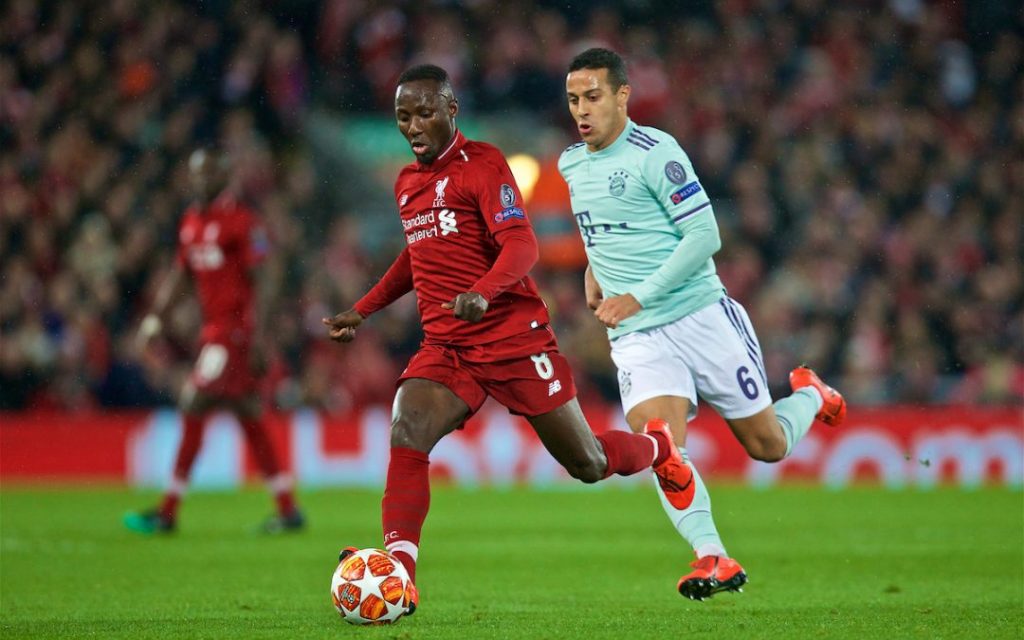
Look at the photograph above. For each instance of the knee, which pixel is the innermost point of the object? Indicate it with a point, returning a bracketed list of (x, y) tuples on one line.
[(409, 435), (766, 449), (587, 470)]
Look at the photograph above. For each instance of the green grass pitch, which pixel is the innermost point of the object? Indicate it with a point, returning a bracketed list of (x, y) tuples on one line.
[(863, 563)]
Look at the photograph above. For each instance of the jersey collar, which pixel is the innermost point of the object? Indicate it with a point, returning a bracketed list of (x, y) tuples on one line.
[(613, 147), (445, 157)]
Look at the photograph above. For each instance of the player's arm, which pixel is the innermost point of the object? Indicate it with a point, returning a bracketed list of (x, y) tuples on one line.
[(700, 242), (674, 184), (500, 203), (517, 254), (397, 282), (171, 288)]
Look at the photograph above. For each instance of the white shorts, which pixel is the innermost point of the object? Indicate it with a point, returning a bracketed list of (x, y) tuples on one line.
[(712, 353)]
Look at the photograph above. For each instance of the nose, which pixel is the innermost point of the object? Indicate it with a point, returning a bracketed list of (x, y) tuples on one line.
[(415, 126)]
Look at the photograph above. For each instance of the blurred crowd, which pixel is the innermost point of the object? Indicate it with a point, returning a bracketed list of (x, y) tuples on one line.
[(866, 161)]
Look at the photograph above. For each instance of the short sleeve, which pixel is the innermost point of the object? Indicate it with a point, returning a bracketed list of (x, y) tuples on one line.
[(673, 182), (497, 195)]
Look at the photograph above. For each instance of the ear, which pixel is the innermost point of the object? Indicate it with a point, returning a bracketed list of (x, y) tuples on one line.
[(453, 107), (622, 97)]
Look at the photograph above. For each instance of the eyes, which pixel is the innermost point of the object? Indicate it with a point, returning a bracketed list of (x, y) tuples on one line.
[(425, 114), (590, 97)]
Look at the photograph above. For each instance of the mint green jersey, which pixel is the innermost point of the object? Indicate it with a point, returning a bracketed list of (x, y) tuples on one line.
[(647, 225)]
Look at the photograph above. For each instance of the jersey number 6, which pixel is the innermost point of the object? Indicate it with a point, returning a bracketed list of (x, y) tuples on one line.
[(747, 384)]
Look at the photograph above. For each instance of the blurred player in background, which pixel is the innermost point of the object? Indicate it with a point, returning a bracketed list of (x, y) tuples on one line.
[(221, 244), (469, 246), (649, 232)]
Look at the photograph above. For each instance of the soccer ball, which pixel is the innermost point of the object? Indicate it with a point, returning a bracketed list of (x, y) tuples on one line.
[(370, 586)]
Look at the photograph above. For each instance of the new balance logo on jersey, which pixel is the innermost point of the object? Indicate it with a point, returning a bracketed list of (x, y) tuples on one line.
[(448, 222), (554, 387), (439, 192)]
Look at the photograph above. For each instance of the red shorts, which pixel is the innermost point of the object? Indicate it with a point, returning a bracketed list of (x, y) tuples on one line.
[(223, 370), (530, 378)]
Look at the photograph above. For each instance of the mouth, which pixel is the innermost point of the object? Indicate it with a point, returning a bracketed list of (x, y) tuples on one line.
[(419, 148), (585, 129)]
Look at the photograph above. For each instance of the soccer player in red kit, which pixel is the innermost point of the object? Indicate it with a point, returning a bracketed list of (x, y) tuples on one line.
[(469, 246), (221, 244)]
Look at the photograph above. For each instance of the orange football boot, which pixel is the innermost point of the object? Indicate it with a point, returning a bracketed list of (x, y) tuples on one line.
[(711, 575), (674, 476), (833, 407)]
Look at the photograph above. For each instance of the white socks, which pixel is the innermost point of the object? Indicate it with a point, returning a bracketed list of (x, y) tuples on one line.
[(796, 414), (695, 523)]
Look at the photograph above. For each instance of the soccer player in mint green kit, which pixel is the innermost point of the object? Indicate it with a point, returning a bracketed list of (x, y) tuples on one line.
[(650, 231)]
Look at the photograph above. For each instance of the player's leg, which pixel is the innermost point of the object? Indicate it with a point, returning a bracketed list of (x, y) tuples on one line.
[(194, 405), (569, 439), (768, 433), (540, 386), (694, 522), (424, 411), (250, 415), (656, 380), (714, 570), (771, 434)]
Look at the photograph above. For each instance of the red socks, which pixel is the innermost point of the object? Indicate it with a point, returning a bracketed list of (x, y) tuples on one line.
[(407, 492), (262, 449), (405, 504), (629, 453), (191, 441)]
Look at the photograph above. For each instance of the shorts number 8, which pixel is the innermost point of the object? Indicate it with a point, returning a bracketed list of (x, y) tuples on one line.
[(544, 367)]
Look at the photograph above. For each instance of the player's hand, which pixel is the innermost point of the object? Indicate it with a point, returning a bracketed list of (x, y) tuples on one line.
[(469, 306), (592, 289), (148, 329), (614, 310), (342, 327)]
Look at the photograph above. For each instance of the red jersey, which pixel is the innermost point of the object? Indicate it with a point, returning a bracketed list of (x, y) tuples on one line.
[(458, 214), (218, 245)]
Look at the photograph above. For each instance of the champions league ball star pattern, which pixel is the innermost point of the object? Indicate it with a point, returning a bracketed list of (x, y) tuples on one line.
[(370, 587)]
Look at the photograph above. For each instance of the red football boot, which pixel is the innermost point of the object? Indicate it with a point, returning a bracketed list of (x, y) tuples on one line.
[(711, 575), (412, 597), (674, 476), (833, 409)]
